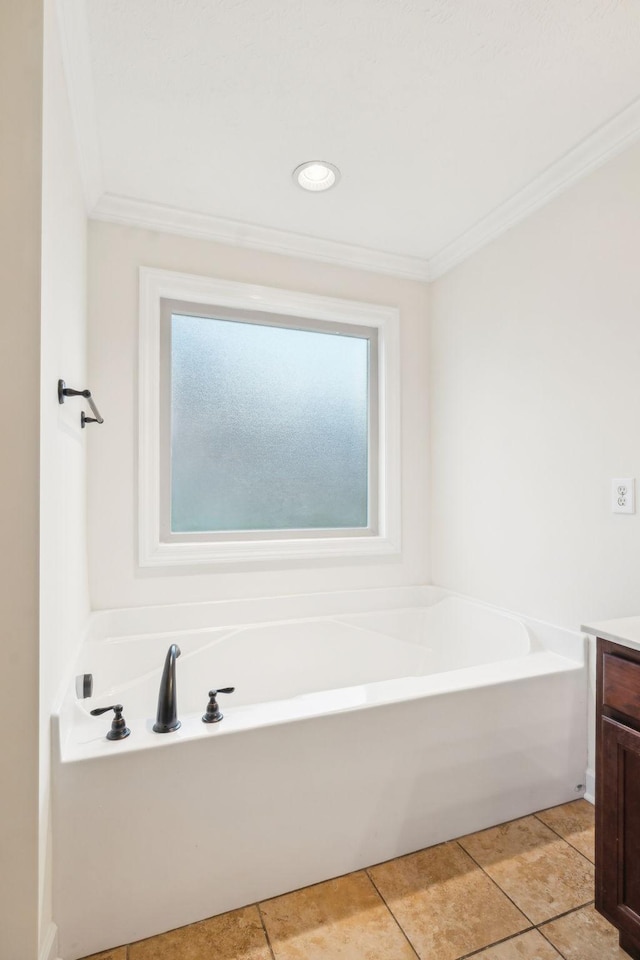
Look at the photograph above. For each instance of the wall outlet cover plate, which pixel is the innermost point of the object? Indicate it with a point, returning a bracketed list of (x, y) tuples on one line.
[(623, 498)]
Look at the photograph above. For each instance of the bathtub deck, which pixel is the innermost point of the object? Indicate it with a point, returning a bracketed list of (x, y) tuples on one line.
[(520, 891)]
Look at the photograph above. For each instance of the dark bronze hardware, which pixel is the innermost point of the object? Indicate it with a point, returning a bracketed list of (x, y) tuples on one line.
[(167, 713), (119, 729), (213, 714), (65, 391)]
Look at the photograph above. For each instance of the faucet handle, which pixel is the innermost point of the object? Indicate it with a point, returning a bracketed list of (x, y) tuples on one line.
[(119, 729), (100, 710), (213, 714)]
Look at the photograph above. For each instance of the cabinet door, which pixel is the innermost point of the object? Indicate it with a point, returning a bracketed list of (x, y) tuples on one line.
[(618, 848)]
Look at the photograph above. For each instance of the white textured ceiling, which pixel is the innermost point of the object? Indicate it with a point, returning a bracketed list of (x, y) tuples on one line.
[(435, 111)]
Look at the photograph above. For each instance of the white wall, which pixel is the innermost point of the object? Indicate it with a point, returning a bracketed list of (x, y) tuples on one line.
[(535, 402), (535, 398), (64, 596), (115, 254), (20, 220)]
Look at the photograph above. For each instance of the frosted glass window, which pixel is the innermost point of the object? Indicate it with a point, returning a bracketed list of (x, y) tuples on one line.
[(269, 427)]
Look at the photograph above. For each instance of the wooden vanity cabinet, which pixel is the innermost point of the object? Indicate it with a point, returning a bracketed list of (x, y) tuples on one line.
[(618, 791)]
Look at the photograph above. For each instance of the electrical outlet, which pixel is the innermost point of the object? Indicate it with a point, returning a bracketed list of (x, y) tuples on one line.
[(623, 498)]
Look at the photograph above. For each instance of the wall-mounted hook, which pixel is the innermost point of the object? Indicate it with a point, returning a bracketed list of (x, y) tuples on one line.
[(64, 391)]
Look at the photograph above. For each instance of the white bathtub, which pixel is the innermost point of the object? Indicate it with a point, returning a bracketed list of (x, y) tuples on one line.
[(364, 725)]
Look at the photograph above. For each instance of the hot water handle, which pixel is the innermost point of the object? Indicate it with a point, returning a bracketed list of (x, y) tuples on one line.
[(119, 729)]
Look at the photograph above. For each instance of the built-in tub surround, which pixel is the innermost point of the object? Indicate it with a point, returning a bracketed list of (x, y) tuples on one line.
[(364, 725)]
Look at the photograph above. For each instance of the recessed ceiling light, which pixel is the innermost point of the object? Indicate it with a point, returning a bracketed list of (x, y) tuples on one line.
[(316, 175)]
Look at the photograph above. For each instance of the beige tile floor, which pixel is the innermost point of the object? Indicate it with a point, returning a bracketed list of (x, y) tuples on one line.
[(520, 891)]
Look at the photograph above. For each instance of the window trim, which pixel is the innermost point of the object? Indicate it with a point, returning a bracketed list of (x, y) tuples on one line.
[(159, 285)]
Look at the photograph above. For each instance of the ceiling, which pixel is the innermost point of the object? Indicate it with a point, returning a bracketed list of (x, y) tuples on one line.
[(445, 117)]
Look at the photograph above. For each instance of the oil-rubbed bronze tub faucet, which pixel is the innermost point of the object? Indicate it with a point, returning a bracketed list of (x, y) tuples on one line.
[(167, 715)]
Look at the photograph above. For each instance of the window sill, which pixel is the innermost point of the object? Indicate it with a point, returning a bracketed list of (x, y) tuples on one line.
[(158, 554)]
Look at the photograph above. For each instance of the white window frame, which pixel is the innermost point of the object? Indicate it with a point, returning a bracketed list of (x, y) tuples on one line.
[(154, 551)]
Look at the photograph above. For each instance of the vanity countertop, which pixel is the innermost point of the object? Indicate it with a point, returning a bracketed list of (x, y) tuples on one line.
[(625, 631)]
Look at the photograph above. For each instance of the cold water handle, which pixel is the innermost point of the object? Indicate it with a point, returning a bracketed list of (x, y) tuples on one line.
[(213, 714)]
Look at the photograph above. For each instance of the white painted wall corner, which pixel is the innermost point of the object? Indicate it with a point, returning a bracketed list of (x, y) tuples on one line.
[(49, 945)]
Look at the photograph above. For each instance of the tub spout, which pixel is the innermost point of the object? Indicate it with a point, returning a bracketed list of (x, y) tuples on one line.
[(167, 715)]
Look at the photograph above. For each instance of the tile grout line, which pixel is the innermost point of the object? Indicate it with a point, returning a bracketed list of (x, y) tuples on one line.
[(560, 917), (532, 929), (496, 943), (496, 884), (264, 927), (573, 909), (566, 913), (564, 840), (392, 914), (557, 949), (553, 830)]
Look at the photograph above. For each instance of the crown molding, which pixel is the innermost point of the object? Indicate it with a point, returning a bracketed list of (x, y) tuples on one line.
[(595, 150), (155, 216), (602, 145), (73, 28)]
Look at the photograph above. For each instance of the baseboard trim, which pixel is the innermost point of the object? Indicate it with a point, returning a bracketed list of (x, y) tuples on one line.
[(49, 945), (590, 793)]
